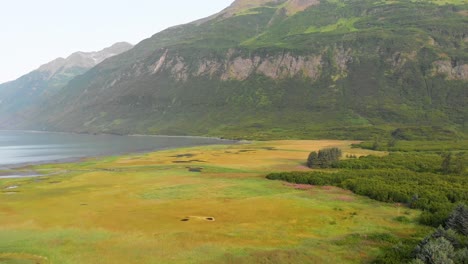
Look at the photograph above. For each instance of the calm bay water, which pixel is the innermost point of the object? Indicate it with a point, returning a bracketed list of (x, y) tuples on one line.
[(23, 147)]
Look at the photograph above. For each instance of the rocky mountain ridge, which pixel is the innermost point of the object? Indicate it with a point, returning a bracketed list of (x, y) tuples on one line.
[(84, 60)]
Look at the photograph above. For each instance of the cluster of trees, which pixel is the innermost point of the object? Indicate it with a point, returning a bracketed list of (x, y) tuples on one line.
[(324, 158), (446, 245)]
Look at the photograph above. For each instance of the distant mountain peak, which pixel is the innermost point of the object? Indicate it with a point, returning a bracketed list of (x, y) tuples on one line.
[(84, 59), (118, 47), (19, 96)]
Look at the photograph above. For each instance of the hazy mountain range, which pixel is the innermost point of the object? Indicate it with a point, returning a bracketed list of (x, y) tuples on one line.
[(266, 68), (20, 98)]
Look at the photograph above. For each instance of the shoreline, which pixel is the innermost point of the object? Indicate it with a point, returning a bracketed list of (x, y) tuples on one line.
[(24, 170), (123, 135)]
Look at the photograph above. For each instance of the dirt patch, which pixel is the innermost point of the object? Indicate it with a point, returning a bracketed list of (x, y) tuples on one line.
[(299, 186), (246, 150), (345, 198), (302, 168), (295, 6), (11, 192), (269, 148), (188, 161), (186, 155), (22, 258), (198, 218), (463, 12), (190, 169)]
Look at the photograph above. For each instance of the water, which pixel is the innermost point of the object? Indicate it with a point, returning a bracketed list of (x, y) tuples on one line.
[(19, 148)]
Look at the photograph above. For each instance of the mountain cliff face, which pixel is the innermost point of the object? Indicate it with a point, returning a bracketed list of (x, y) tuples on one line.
[(19, 98), (297, 68)]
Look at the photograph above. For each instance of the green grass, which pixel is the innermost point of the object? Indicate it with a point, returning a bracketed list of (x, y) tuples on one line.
[(129, 210), (343, 25)]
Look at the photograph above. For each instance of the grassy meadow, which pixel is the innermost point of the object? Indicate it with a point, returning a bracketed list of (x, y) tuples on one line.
[(208, 204)]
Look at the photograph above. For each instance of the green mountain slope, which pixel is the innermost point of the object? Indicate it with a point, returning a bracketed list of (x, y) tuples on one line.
[(20, 98), (297, 68)]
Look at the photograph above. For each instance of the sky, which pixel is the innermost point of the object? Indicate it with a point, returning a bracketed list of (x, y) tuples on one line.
[(34, 32)]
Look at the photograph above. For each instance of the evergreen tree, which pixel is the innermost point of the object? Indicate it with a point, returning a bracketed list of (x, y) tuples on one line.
[(312, 160), (446, 163), (459, 164), (376, 145), (392, 142), (436, 251), (399, 134), (458, 220)]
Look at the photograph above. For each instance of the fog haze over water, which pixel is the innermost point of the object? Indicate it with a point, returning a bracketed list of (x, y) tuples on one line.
[(23, 147)]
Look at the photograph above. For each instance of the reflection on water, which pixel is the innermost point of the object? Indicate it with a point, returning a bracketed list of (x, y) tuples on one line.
[(22, 147), (14, 176)]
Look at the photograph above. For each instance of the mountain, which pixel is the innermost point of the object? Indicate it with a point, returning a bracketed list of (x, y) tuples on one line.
[(20, 97), (279, 69)]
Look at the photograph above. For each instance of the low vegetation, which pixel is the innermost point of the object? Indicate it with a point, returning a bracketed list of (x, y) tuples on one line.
[(432, 181)]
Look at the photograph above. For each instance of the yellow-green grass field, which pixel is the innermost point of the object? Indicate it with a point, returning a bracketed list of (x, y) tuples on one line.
[(208, 204)]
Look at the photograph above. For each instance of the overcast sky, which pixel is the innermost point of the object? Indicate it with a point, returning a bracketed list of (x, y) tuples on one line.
[(34, 32)]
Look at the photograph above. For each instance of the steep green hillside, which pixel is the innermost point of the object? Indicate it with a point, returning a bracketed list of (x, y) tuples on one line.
[(297, 68)]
